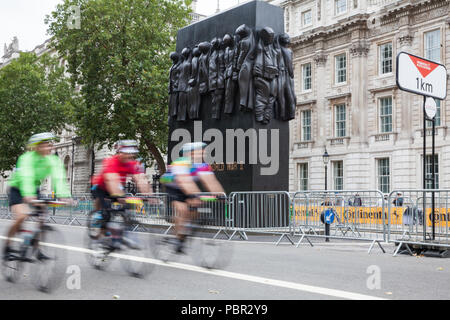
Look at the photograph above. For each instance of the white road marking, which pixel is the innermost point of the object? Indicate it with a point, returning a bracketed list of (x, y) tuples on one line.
[(227, 274), (325, 244)]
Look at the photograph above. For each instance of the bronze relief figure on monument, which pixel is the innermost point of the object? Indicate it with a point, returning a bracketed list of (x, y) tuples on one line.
[(193, 93), (286, 92), (265, 72), (203, 67), (244, 67), (252, 69), (216, 77), (174, 76), (230, 66), (183, 86)]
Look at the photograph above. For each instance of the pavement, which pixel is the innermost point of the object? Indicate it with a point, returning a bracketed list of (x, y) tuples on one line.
[(257, 270)]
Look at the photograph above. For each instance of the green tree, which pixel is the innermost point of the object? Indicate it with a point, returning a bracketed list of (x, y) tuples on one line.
[(120, 59), (34, 97)]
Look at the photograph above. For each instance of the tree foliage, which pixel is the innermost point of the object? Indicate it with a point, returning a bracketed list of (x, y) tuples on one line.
[(34, 97), (120, 59)]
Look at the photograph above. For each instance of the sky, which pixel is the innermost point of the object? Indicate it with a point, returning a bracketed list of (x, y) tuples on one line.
[(25, 19)]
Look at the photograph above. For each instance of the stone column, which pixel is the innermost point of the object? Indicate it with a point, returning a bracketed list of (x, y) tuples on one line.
[(358, 52), (321, 128), (404, 44), (405, 102), (357, 163), (320, 59)]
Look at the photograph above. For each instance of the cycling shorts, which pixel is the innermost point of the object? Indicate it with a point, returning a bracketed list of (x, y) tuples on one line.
[(15, 197)]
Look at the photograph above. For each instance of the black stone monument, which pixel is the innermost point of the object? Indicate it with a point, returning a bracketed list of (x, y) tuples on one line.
[(236, 176)]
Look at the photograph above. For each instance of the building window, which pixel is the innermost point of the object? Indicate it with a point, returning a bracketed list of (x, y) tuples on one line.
[(437, 117), (303, 176), (340, 6), (306, 125), (307, 18), (306, 77), (386, 58), (340, 123), (341, 68), (338, 175), (383, 175), (67, 167), (428, 172), (385, 114), (432, 42)]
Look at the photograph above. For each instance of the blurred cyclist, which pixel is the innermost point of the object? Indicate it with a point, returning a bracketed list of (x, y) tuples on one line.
[(110, 183), (181, 183), (32, 168)]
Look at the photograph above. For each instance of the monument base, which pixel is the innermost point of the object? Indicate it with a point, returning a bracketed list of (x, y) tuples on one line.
[(263, 164)]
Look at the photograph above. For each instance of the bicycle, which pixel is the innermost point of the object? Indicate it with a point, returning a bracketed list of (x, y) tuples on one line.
[(39, 248), (119, 237), (205, 251)]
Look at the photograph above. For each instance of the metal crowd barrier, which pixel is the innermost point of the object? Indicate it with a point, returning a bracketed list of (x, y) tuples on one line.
[(159, 212), (260, 212), (411, 218), (352, 214), (156, 212), (4, 207)]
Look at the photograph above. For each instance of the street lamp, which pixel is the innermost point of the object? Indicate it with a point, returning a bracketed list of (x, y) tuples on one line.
[(326, 159)]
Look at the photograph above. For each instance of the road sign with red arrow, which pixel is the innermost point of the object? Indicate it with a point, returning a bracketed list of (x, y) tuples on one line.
[(421, 76)]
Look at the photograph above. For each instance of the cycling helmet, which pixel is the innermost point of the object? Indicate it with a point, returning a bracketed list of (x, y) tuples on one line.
[(188, 147), (127, 146), (40, 137)]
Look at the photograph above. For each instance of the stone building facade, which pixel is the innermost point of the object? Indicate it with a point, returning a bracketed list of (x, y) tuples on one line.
[(348, 101)]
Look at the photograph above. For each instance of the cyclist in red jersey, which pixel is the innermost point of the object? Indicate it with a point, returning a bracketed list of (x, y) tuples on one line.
[(110, 183)]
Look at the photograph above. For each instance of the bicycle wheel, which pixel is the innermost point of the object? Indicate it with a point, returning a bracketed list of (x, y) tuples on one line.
[(49, 266), (99, 257), (163, 247), (137, 246), (208, 252), (14, 266)]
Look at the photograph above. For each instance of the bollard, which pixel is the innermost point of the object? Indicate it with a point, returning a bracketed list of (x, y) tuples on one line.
[(327, 232)]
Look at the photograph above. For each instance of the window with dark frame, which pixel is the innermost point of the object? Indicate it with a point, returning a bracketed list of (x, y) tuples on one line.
[(386, 58), (383, 175), (340, 120)]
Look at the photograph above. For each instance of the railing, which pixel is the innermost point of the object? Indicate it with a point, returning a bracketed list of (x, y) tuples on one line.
[(351, 215), (411, 218), (260, 212)]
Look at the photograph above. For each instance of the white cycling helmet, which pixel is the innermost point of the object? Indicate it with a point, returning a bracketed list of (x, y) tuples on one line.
[(40, 137), (188, 147), (127, 146)]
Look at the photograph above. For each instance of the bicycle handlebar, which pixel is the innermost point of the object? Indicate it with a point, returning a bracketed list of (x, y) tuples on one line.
[(52, 203)]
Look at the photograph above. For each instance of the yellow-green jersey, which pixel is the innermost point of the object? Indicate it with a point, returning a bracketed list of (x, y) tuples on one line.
[(32, 168)]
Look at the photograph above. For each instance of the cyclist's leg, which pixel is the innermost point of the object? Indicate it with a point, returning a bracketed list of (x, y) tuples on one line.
[(179, 207), (20, 212), (181, 218), (97, 200), (102, 205)]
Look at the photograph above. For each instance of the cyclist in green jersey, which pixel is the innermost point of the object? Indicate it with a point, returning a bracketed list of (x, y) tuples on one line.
[(32, 168)]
